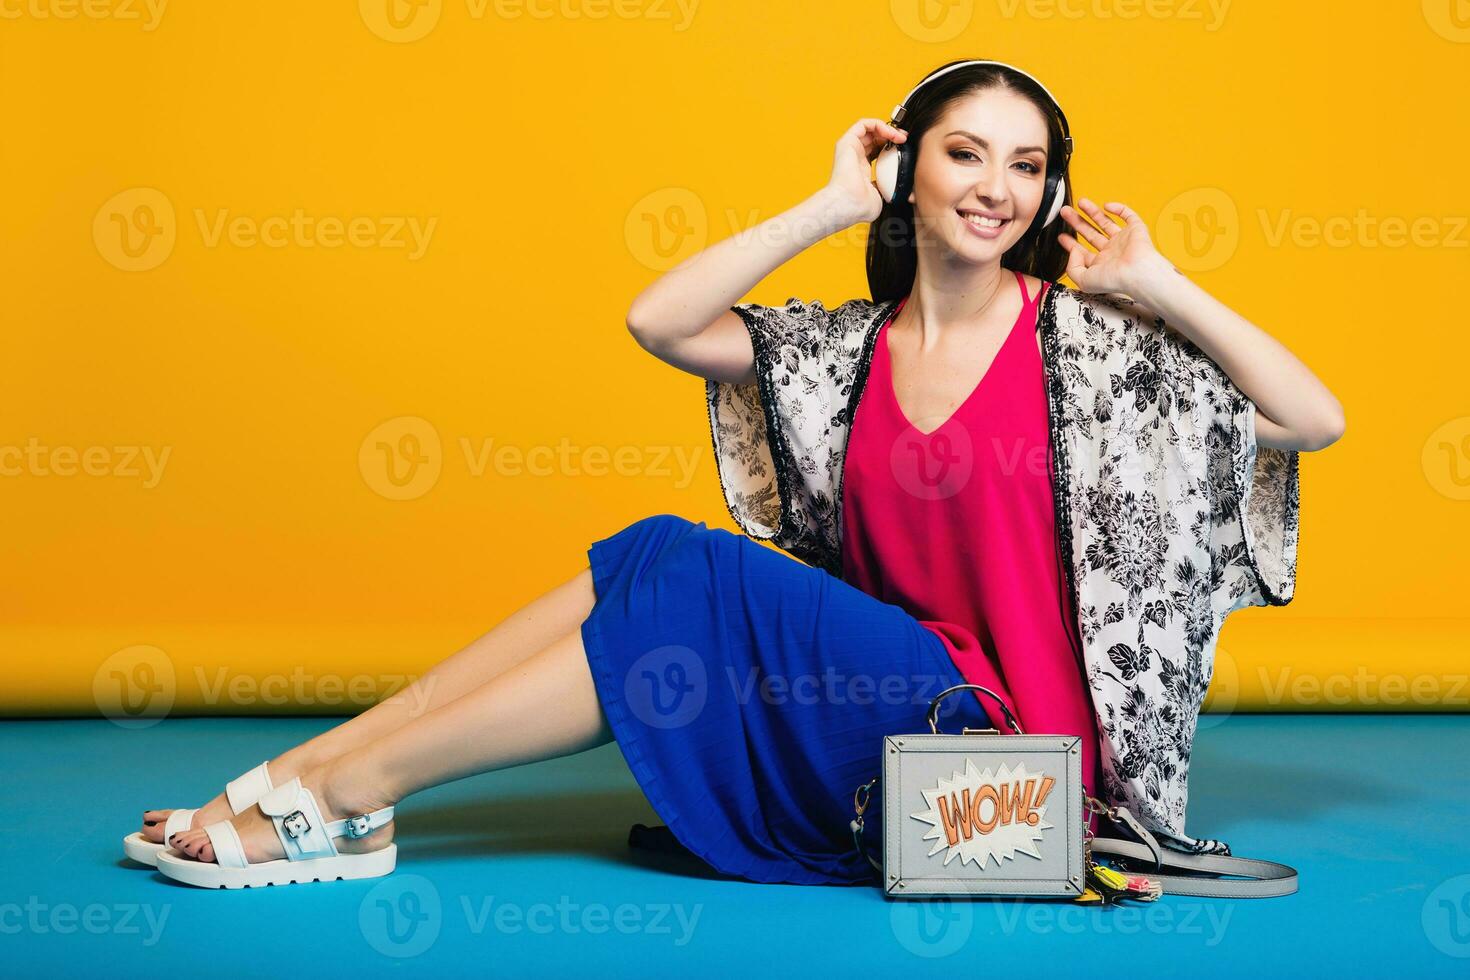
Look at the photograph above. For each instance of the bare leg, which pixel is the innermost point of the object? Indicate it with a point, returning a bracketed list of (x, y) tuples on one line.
[(544, 707), (525, 632)]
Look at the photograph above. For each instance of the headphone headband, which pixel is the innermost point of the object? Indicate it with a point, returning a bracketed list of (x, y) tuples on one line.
[(900, 110)]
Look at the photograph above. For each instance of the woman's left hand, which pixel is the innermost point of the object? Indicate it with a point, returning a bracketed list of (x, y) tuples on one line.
[(1125, 256)]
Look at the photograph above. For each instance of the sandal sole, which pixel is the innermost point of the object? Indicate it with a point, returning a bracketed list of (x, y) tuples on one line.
[(343, 867), (141, 849)]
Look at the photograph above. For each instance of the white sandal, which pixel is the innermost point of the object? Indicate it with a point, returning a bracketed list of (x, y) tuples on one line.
[(241, 792), (304, 833)]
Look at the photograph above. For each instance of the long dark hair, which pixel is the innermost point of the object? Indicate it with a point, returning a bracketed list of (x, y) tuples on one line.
[(893, 259)]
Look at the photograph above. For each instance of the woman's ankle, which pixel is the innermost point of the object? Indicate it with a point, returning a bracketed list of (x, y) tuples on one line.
[(354, 784), (297, 761)]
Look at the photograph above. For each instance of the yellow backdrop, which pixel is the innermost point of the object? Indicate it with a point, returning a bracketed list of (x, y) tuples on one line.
[(314, 339)]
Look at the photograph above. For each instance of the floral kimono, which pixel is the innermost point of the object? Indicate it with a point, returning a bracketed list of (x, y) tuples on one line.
[(1170, 514)]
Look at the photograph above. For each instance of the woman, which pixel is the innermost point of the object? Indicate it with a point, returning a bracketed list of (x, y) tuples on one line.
[(749, 692)]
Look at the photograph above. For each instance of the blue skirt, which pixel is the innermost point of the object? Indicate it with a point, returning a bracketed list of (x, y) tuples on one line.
[(750, 694)]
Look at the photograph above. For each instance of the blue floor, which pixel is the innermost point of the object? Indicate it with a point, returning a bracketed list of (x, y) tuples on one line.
[(527, 873)]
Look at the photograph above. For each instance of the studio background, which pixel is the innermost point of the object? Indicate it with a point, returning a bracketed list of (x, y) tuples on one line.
[(316, 365)]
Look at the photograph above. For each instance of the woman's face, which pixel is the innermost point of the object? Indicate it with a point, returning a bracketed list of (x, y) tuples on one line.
[(980, 175)]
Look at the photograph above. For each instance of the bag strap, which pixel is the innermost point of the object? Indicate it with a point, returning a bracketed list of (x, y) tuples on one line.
[(1266, 879)]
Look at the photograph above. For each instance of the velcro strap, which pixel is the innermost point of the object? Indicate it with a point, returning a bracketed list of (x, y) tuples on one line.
[(244, 790), (177, 822)]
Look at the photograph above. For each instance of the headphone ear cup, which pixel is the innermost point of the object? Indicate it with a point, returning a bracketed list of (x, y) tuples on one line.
[(908, 156), (886, 171), (1058, 198)]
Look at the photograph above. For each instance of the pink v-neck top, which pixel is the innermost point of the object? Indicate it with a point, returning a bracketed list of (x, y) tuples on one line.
[(956, 525)]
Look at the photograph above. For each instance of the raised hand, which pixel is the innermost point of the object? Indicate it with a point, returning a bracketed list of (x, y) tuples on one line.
[(1125, 256), (852, 167)]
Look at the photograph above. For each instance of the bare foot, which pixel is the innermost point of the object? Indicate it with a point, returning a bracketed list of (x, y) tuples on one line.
[(282, 770), (338, 798), (215, 810)]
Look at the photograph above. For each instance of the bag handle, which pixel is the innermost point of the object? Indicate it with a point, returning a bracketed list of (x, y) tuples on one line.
[(934, 709)]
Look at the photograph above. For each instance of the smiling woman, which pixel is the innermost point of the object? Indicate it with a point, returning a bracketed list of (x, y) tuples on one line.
[(1168, 512), (1088, 506)]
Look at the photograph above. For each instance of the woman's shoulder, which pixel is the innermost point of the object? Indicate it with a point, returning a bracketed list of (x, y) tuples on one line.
[(1100, 310), (799, 319)]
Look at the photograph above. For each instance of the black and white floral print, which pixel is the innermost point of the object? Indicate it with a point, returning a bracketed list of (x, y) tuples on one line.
[(1172, 516)]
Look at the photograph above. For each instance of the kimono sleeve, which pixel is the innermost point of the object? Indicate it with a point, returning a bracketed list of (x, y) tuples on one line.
[(767, 436), (1251, 492)]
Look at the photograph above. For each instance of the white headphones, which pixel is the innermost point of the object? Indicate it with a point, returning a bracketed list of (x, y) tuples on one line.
[(895, 164)]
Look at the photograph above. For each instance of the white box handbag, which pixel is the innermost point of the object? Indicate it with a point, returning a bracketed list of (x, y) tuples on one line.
[(982, 814)]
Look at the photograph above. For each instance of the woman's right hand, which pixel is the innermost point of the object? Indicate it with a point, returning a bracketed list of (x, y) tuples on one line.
[(852, 179)]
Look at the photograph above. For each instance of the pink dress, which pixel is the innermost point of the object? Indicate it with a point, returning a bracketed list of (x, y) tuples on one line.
[(957, 527)]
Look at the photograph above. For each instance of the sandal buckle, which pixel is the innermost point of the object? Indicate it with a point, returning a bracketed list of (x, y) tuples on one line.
[(296, 825), (358, 826)]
